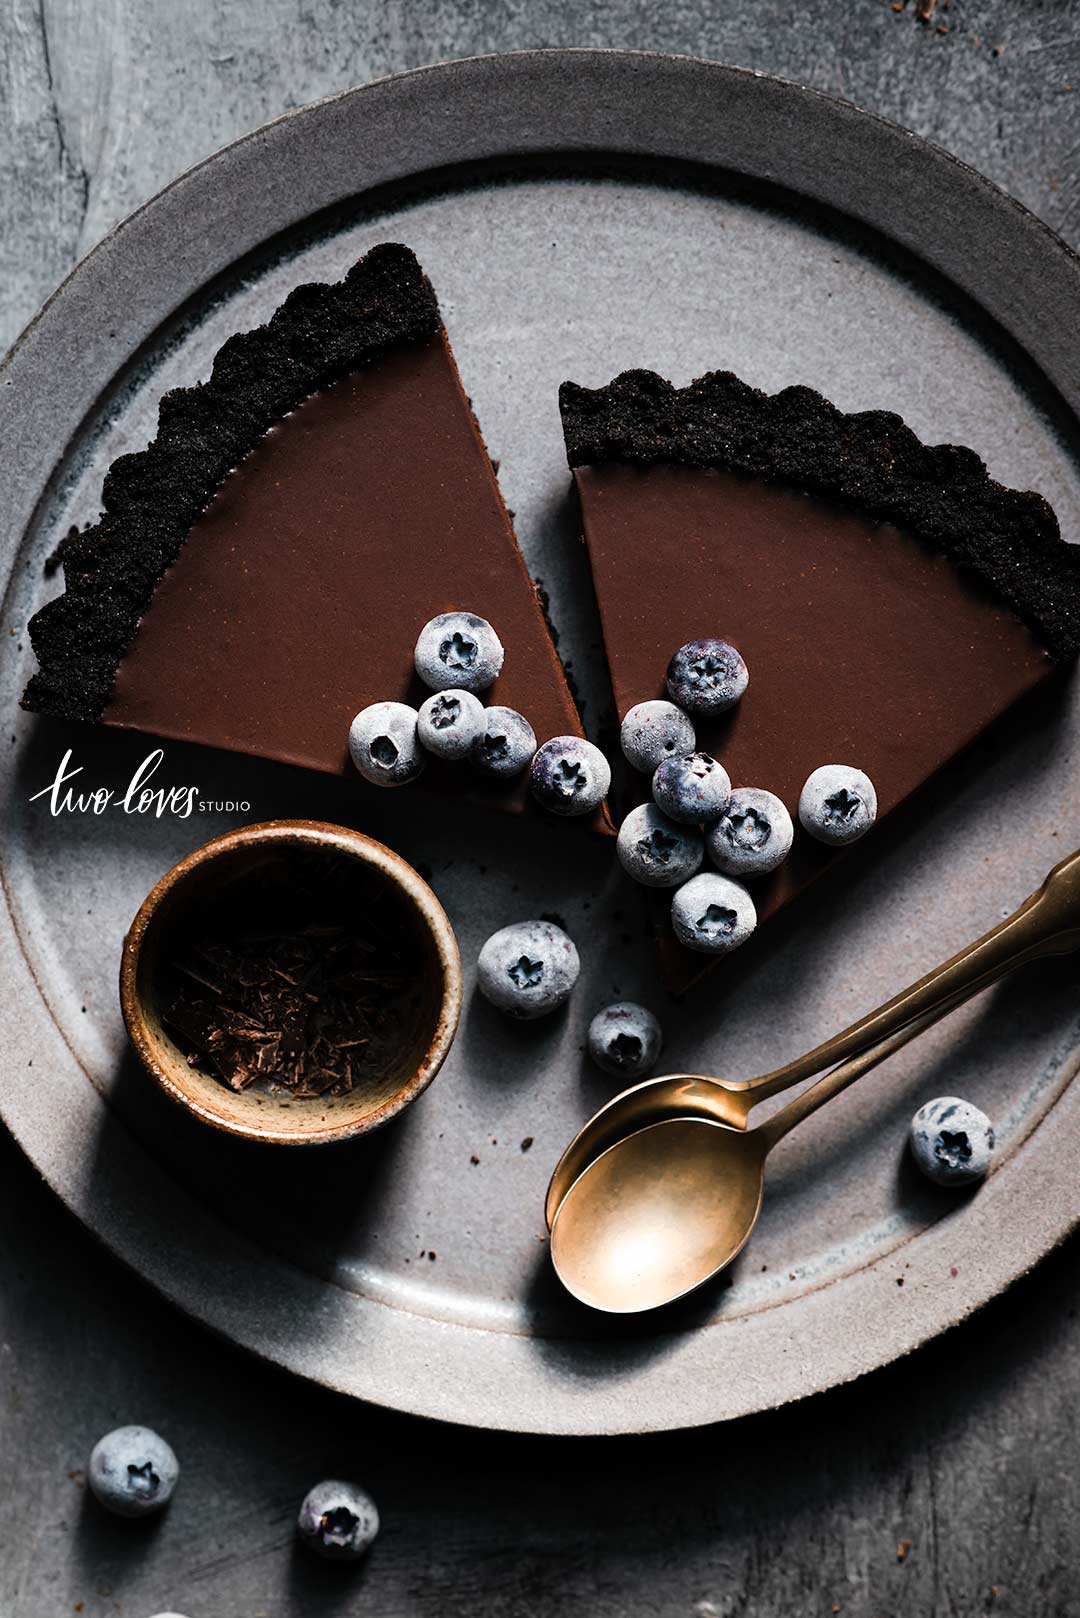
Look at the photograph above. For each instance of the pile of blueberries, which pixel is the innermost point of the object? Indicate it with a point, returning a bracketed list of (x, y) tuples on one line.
[(529, 969), (746, 832), (458, 655)]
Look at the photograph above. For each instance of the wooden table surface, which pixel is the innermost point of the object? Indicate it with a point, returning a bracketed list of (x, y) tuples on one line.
[(946, 1485)]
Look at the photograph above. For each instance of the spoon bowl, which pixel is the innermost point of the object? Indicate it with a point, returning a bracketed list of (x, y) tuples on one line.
[(658, 1213)]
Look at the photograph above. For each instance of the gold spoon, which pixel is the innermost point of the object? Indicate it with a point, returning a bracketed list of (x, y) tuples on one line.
[(662, 1187)]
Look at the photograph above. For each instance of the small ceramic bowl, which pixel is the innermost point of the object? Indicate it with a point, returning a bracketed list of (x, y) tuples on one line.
[(234, 865)]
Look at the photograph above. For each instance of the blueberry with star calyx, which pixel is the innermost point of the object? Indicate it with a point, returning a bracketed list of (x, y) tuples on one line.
[(506, 744), (691, 789), (528, 969), (132, 1471), (838, 804), (712, 914), (384, 746), (450, 723), (951, 1141), (653, 731), (656, 851), (570, 776), (458, 651), (625, 1039), (753, 835), (338, 1521), (706, 676)]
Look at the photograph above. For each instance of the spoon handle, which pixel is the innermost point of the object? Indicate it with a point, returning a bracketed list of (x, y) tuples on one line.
[(1048, 923), (838, 1078)]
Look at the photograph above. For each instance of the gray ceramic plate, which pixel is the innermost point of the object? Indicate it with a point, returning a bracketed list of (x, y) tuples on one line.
[(579, 213)]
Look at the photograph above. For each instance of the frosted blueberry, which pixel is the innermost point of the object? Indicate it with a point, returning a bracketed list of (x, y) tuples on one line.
[(458, 651), (706, 676), (656, 851), (450, 723), (625, 1039), (338, 1521), (753, 835), (691, 789), (528, 969), (570, 776), (507, 744), (653, 731), (838, 804), (951, 1141), (712, 914), (384, 746), (132, 1471)]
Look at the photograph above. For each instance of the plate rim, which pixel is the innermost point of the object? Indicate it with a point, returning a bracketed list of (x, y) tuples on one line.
[(556, 103)]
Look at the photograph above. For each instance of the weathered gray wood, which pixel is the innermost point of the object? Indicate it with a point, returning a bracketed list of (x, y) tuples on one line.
[(969, 1450), (107, 100)]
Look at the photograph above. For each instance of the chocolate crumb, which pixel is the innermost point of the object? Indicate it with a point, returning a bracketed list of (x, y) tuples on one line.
[(526, 1143), (54, 560)]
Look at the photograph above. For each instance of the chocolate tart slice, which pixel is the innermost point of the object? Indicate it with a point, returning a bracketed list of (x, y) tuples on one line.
[(261, 571), (890, 599)]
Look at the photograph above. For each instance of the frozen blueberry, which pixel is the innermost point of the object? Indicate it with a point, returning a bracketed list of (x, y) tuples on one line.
[(528, 969), (712, 914), (656, 851), (132, 1472), (753, 835), (570, 776), (625, 1039), (706, 676), (338, 1520), (691, 789), (384, 746), (838, 804), (458, 651), (507, 744), (951, 1141), (653, 731), (450, 723)]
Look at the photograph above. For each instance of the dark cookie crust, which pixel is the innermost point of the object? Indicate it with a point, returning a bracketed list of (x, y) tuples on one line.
[(151, 499), (942, 493)]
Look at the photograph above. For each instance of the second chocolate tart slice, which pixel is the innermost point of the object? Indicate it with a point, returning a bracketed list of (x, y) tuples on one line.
[(260, 571), (890, 599)]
